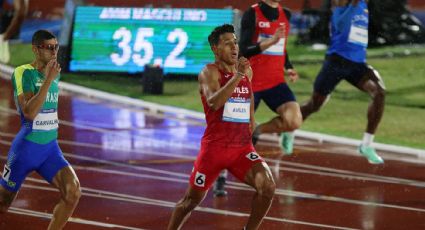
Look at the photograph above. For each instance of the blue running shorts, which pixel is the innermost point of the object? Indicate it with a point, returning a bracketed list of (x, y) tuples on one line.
[(274, 97), (25, 156)]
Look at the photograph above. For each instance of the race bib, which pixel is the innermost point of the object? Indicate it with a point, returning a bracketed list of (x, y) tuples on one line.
[(237, 110), (6, 173), (276, 49), (46, 120), (358, 35)]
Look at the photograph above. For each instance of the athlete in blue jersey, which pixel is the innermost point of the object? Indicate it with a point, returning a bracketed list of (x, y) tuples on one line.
[(346, 59), (35, 147)]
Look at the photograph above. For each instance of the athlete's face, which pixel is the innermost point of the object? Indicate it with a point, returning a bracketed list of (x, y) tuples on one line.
[(227, 49), (46, 51)]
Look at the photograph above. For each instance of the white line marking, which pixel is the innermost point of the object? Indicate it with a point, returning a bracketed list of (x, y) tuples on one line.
[(323, 171), (143, 200), (44, 215)]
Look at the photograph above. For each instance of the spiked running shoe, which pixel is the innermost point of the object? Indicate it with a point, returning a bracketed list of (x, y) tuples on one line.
[(370, 154), (218, 189), (286, 141)]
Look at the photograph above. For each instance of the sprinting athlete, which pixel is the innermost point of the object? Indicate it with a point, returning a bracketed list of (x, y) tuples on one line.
[(346, 59), (225, 89), (35, 147)]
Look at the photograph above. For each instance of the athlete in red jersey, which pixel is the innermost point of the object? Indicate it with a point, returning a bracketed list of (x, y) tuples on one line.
[(225, 88), (264, 31)]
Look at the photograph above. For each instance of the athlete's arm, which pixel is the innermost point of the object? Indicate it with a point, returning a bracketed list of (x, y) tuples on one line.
[(210, 87), (21, 9), (248, 48), (31, 103)]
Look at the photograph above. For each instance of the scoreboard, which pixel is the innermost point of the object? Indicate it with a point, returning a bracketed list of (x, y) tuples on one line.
[(111, 39)]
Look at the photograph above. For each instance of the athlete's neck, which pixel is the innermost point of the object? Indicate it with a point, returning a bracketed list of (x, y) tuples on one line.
[(271, 3), (39, 65)]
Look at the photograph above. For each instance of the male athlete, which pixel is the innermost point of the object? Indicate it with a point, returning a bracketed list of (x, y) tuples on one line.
[(346, 59), (264, 34), (226, 94), (35, 147)]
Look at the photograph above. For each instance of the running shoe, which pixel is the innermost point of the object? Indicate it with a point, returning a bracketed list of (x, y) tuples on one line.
[(370, 154)]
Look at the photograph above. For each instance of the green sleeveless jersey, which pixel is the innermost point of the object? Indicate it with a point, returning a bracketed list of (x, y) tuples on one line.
[(44, 127)]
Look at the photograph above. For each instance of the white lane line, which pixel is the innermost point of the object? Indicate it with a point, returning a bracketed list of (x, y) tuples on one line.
[(102, 194), (309, 169), (244, 187), (27, 212)]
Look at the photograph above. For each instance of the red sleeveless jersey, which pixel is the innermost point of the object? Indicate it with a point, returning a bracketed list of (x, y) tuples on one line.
[(268, 67), (229, 125)]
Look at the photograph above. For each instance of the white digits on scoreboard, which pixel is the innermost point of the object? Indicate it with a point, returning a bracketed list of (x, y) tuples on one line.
[(143, 49), (125, 36), (142, 44), (172, 60)]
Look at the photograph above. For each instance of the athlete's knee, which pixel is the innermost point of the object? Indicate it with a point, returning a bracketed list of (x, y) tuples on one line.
[(313, 105), (189, 202), (294, 123), (72, 192), (267, 188)]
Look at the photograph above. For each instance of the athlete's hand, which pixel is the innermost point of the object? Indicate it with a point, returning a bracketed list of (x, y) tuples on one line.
[(52, 70), (292, 74), (243, 65), (279, 33)]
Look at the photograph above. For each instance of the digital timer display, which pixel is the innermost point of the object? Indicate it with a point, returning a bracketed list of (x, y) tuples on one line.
[(109, 39)]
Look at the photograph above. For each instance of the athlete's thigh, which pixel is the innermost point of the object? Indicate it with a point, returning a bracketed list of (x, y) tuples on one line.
[(23, 157), (371, 80), (289, 110), (54, 163), (208, 164), (328, 78), (247, 157), (258, 173), (357, 74), (278, 95), (64, 177)]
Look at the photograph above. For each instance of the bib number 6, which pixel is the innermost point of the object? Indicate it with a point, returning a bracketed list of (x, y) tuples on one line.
[(200, 179)]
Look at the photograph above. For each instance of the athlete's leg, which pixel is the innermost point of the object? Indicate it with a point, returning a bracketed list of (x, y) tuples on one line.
[(21, 159), (67, 182), (289, 119), (313, 105), (260, 178), (6, 199), (210, 162), (373, 85), (219, 184), (281, 100), (326, 80), (184, 207)]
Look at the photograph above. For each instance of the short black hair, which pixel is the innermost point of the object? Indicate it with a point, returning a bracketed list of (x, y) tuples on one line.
[(214, 37), (42, 35)]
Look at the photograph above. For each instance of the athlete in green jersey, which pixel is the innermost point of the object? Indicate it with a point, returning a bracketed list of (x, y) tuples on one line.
[(35, 147)]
